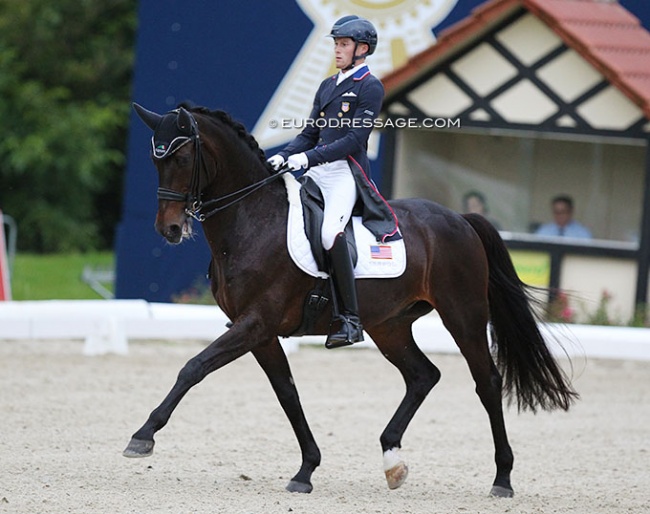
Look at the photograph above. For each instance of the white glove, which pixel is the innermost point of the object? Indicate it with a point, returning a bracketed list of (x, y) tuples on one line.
[(276, 161), (298, 161)]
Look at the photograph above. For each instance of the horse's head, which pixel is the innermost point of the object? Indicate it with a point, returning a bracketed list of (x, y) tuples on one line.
[(176, 154), (188, 165)]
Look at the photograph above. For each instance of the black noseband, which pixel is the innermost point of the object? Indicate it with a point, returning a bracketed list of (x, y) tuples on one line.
[(171, 195)]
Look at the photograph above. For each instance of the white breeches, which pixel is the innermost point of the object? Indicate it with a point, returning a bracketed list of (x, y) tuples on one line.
[(339, 190)]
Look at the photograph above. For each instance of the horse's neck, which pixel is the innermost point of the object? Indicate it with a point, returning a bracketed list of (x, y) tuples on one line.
[(237, 165), (250, 215)]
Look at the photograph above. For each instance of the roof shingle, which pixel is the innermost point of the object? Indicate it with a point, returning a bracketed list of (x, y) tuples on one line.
[(603, 32)]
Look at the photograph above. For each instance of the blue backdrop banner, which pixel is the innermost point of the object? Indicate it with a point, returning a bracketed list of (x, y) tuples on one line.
[(262, 62)]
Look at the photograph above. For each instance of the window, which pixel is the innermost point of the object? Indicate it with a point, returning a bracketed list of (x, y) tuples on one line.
[(519, 175)]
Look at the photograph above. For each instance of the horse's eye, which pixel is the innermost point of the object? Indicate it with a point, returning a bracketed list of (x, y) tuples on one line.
[(182, 160)]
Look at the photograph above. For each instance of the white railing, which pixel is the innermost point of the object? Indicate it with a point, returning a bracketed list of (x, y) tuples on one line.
[(106, 326)]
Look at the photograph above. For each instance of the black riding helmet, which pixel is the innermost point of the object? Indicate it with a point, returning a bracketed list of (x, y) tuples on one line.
[(359, 30)]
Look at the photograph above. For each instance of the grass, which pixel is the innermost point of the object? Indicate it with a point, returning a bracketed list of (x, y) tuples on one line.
[(56, 276)]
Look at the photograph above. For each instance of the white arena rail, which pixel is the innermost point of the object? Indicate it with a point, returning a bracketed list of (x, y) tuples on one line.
[(106, 326)]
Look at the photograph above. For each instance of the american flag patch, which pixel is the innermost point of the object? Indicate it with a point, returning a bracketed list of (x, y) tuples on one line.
[(381, 252)]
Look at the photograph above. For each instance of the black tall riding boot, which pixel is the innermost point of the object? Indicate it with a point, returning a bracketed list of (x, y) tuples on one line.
[(342, 273)]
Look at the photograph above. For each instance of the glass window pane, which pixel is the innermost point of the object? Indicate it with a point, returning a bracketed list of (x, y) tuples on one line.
[(518, 177)]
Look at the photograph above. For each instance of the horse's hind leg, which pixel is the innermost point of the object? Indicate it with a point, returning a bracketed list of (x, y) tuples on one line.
[(467, 325), (488, 387), (273, 361), (395, 340)]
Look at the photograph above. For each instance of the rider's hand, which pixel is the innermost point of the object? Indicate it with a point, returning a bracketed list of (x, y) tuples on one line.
[(298, 161), (276, 162)]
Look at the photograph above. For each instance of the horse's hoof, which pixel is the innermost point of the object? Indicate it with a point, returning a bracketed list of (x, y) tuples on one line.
[(299, 487), (501, 492), (396, 475), (138, 448), (395, 468)]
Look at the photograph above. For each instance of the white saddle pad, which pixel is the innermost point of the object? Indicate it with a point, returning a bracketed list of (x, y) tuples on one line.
[(375, 260)]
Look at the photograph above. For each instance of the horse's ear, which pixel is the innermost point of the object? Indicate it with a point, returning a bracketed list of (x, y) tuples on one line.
[(151, 119), (185, 121)]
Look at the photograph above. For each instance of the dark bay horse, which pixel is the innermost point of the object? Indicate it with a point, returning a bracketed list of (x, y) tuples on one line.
[(212, 170)]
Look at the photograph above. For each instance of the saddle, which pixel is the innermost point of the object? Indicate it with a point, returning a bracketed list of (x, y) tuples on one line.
[(313, 204), (371, 259)]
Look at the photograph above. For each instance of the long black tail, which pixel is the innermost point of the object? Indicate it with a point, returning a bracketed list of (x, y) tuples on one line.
[(528, 369)]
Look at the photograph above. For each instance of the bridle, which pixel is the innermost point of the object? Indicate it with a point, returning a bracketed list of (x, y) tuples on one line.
[(194, 205)]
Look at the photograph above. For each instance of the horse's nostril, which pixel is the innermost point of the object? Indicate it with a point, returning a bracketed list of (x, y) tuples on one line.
[(173, 233)]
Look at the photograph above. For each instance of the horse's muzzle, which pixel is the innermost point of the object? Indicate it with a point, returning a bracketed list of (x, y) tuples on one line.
[(175, 232)]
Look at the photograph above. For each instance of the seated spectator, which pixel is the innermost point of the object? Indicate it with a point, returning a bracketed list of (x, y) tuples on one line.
[(474, 202), (563, 223)]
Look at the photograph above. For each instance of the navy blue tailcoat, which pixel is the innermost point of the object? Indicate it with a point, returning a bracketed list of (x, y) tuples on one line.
[(340, 123)]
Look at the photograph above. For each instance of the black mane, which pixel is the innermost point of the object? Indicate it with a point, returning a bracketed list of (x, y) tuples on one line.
[(237, 127)]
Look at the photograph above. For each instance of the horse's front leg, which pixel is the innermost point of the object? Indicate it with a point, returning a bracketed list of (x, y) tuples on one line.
[(273, 361), (239, 340)]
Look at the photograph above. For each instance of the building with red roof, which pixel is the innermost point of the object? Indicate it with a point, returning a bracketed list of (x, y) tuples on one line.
[(524, 100)]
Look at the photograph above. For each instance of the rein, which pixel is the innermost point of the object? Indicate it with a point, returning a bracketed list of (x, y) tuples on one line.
[(244, 192), (193, 197)]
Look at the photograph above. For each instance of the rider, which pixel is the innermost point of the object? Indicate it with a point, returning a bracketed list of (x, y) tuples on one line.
[(333, 147)]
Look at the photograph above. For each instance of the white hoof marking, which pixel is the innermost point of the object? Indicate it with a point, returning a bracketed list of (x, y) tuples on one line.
[(395, 468)]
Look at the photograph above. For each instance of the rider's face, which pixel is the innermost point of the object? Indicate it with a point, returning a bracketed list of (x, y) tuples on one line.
[(344, 50)]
